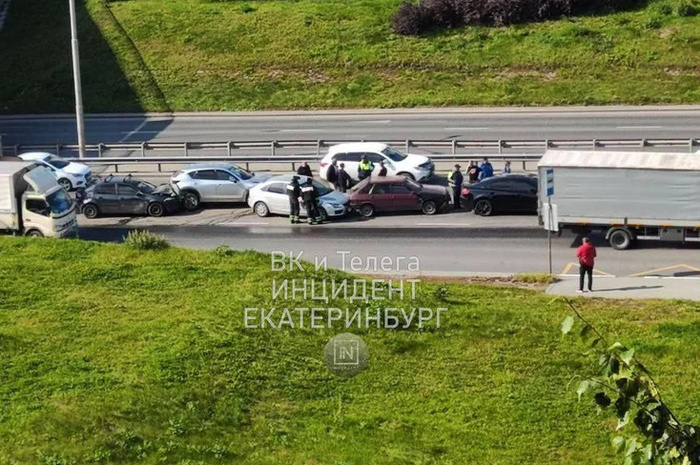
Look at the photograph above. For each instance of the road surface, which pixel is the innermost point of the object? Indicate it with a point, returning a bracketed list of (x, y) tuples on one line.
[(440, 250), (419, 124)]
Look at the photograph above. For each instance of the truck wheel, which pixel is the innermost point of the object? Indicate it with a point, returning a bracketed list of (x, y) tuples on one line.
[(34, 233), (620, 239), (429, 207), (91, 211), (483, 207), (366, 210), (190, 200), (156, 209)]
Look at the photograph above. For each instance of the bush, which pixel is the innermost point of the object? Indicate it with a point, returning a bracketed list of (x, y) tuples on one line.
[(410, 19), (687, 9), (224, 251), (144, 240), (443, 13)]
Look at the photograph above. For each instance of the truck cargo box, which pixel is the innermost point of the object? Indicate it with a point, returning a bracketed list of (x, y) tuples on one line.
[(635, 188)]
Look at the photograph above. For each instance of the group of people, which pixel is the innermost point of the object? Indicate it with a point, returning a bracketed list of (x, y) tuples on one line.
[(308, 194), (475, 173)]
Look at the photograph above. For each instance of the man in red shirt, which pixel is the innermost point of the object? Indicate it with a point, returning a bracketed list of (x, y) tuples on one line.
[(586, 259)]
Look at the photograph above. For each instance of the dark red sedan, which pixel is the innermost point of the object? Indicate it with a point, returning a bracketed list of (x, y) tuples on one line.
[(396, 193)]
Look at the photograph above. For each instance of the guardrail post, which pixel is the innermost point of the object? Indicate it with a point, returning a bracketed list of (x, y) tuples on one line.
[(185, 147), (116, 167), (1, 152), (58, 150), (100, 147), (16, 149), (642, 144), (500, 147), (228, 149), (318, 148), (143, 149), (160, 167), (407, 146), (691, 143), (273, 144), (454, 147), (595, 143)]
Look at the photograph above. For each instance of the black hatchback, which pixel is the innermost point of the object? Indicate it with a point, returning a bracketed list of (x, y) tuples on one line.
[(513, 193), (127, 196)]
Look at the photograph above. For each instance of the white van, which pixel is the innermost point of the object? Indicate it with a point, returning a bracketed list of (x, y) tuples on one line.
[(32, 202)]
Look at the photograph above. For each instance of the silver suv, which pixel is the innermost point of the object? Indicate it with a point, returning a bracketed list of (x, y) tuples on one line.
[(213, 182)]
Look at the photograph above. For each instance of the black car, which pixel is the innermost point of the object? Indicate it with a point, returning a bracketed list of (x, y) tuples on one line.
[(127, 196), (512, 193)]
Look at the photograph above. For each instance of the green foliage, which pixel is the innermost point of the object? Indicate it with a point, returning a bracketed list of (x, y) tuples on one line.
[(440, 293), (146, 240), (659, 437), (535, 278), (687, 9), (224, 251)]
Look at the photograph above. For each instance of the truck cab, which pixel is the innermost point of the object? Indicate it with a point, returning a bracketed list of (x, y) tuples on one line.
[(32, 203)]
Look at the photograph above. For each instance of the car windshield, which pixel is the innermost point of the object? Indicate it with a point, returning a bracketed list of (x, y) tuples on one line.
[(393, 154), (240, 173), (413, 185), (59, 202), (322, 188), (145, 187), (56, 162)]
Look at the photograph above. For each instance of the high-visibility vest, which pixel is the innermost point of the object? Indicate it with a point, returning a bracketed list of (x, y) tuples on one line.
[(366, 165), (450, 179)]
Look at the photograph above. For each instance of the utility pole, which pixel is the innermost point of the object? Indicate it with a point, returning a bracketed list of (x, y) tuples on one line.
[(76, 79)]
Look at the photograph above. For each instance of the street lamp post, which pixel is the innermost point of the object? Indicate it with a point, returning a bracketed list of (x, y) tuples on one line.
[(76, 79)]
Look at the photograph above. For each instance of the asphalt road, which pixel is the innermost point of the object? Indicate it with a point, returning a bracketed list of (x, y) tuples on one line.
[(419, 124), (440, 251)]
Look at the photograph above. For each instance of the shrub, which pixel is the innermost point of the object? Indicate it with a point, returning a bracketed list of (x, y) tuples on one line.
[(443, 13), (665, 9), (653, 23), (224, 251), (410, 19), (144, 240), (687, 9)]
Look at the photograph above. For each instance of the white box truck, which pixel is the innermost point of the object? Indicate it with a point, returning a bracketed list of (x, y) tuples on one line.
[(32, 203), (628, 196)]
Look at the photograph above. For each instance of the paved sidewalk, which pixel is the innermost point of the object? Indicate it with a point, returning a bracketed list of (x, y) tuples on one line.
[(631, 288)]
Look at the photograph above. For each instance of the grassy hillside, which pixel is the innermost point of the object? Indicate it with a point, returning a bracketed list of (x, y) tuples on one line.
[(247, 55), (108, 355)]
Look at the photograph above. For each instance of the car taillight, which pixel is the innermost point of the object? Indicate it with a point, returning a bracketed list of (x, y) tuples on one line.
[(465, 192), (323, 164)]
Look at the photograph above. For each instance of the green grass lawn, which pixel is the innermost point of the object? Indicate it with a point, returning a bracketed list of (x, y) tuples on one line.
[(110, 355), (281, 54)]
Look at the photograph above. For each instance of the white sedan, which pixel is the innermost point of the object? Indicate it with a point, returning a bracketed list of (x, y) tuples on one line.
[(69, 175), (270, 197)]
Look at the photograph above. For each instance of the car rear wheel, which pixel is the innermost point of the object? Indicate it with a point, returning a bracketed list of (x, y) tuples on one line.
[(366, 210), (483, 207), (156, 209), (91, 211), (324, 213), (429, 208), (66, 184), (261, 209), (190, 200), (407, 175)]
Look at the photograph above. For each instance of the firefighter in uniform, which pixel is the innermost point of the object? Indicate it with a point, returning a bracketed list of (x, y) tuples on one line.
[(309, 195), (294, 192), (455, 180)]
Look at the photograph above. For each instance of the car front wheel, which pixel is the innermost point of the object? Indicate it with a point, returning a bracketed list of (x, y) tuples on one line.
[(155, 209), (66, 184), (407, 175), (91, 211), (483, 207), (429, 208)]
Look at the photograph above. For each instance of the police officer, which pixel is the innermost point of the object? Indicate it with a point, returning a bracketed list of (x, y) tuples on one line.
[(364, 170), (294, 192), (455, 180), (309, 195)]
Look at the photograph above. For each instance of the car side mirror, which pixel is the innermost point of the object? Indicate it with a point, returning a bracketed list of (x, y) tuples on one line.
[(232, 179)]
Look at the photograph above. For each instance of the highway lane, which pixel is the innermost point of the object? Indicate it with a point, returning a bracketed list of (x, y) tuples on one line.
[(513, 124), (444, 251)]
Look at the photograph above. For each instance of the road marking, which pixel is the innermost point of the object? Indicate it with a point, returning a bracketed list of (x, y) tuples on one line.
[(381, 121), (666, 268), (138, 128), (442, 224), (235, 223), (640, 127), (466, 129), (302, 130), (570, 265)]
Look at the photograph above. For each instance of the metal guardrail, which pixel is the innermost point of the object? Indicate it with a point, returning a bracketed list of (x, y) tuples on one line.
[(451, 147)]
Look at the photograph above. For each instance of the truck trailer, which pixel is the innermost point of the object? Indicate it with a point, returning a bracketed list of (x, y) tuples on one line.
[(627, 196), (32, 203)]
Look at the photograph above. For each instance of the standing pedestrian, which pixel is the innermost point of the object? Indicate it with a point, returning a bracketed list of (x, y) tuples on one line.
[(332, 174), (586, 258), (473, 172), (506, 169), (455, 180), (382, 169), (305, 170), (310, 197), (294, 192), (365, 168), (486, 170), (343, 179)]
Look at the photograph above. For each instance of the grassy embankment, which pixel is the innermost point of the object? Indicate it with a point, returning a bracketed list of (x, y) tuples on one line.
[(277, 54), (109, 355)]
